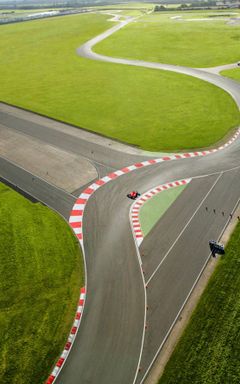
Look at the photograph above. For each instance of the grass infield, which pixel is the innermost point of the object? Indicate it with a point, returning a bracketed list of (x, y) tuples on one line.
[(41, 272), (209, 350), (157, 37), (232, 73), (154, 110)]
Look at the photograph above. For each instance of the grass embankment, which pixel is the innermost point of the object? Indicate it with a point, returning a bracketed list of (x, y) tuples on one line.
[(232, 73), (41, 272), (155, 110), (209, 350), (159, 38), (155, 207)]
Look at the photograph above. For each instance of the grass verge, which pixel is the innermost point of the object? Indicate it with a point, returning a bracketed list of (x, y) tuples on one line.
[(155, 110), (208, 352), (41, 272), (155, 207)]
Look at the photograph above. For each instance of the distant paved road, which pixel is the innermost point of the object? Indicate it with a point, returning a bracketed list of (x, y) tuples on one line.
[(228, 85)]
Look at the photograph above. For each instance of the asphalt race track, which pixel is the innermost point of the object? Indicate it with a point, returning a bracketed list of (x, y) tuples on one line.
[(108, 262), (48, 194), (104, 153), (115, 338)]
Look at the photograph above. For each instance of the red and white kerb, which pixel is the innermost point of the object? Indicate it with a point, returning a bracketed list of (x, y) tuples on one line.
[(70, 340), (76, 219), (137, 205)]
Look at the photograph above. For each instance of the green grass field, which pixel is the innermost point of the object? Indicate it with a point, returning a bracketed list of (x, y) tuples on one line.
[(41, 272), (232, 73), (209, 350), (154, 208), (157, 37), (155, 110), (130, 5), (133, 12)]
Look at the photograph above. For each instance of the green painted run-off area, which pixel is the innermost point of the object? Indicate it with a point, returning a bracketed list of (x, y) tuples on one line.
[(155, 207)]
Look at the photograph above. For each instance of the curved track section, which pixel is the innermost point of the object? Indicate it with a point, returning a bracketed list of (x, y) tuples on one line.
[(116, 294), (138, 204), (118, 340), (226, 84), (113, 345)]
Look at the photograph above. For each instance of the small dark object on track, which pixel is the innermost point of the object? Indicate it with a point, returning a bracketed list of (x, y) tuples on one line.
[(133, 195)]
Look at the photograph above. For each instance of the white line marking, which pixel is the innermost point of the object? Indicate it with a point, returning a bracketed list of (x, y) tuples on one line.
[(145, 297), (180, 234), (184, 303)]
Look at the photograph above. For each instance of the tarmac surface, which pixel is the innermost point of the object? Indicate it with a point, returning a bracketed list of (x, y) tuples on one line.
[(114, 278), (118, 334), (46, 161), (108, 345), (43, 191)]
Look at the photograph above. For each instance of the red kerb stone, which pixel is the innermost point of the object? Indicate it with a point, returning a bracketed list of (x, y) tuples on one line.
[(50, 379), (99, 182), (68, 346), (81, 201), (78, 315), (152, 161), (60, 362), (88, 191), (76, 224), (77, 212), (112, 175), (125, 170), (83, 290), (73, 330)]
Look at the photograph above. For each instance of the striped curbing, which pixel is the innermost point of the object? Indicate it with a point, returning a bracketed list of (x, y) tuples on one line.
[(137, 205), (76, 220), (58, 366), (76, 216)]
